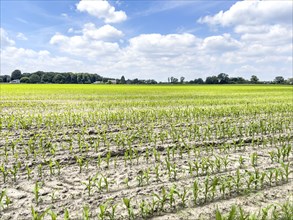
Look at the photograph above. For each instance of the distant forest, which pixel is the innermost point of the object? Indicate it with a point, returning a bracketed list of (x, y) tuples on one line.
[(89, 78)]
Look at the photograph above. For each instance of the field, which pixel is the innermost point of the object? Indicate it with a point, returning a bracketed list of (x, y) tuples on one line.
[(136, 152)]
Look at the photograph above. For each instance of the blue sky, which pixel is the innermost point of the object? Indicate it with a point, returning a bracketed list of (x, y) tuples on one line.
[(148, 39)]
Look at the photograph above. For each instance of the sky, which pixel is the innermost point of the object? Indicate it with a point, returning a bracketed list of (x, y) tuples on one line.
[(148, 39)]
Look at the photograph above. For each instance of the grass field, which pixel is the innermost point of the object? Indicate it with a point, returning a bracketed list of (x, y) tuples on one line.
[(136, 152)]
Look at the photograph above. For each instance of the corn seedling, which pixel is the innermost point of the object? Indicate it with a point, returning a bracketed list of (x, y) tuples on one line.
[(36, 191), (126, 202)]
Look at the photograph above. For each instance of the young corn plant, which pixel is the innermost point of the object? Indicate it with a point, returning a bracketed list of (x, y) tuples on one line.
[(38, 216), (157, 172), (183, 196), (80, 162), (36, 191), (254, 158), (52, 214), (5, 201), (90, 184), (171, 195), (86, 212), (144, 209), (195, 190), (111, 214), (66, 214), (214, 185), (14, 171), (102, 211), (286, 170), (4, 172), (162, 199), (129, 208), (29, 171)]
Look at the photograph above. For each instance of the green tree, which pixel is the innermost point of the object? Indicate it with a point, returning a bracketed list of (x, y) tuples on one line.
[(279, 80), (223, 78), (73, 78), (16, 74), (86, 78), (47, 77), (254, 79), (182, 78), (58, 78), (6, 78), (24, 79), (122, 80), (67, 77), (212, 80), (289, 81), (173, 80), (34, 78)]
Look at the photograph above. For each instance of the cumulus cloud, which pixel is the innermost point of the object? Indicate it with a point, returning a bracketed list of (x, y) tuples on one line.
[(163, 45), (102, 10), (106, 32), (252, 13), (21, 36), (5, 40), (30, 61), (220, 44), (92, 43), (13, 57), (80, 46)]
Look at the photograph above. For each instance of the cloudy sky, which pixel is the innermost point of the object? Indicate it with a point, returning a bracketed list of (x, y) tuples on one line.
[(148, 39)]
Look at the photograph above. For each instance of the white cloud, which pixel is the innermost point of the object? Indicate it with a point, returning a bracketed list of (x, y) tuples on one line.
[(92, 43), (253, 13), (270, 35), (5, 40), (29, 60), (220, 44), (102, 10), (83, 47), (157, 45), (106, 32), (21, 36)]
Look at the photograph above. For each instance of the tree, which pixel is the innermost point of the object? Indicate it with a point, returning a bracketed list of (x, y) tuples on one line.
[(34, 78), (290, 81), (122, 80), (223, 78), (67, 77), (58, 78), (24, 79), (73, 78), (279, 80), (199, 81), (16, 74), (182, 79), (47, 77), (173, 79), (5, 78), (254, 79), (212, 80), (86, 78)]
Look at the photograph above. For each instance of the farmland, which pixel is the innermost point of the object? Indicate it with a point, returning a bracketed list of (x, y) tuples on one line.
[(136, 152)]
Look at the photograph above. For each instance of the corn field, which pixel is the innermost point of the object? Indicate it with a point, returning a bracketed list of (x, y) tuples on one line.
[(146, 152)]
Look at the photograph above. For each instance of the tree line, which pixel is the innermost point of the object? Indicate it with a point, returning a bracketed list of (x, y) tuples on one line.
[(88, 78)]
